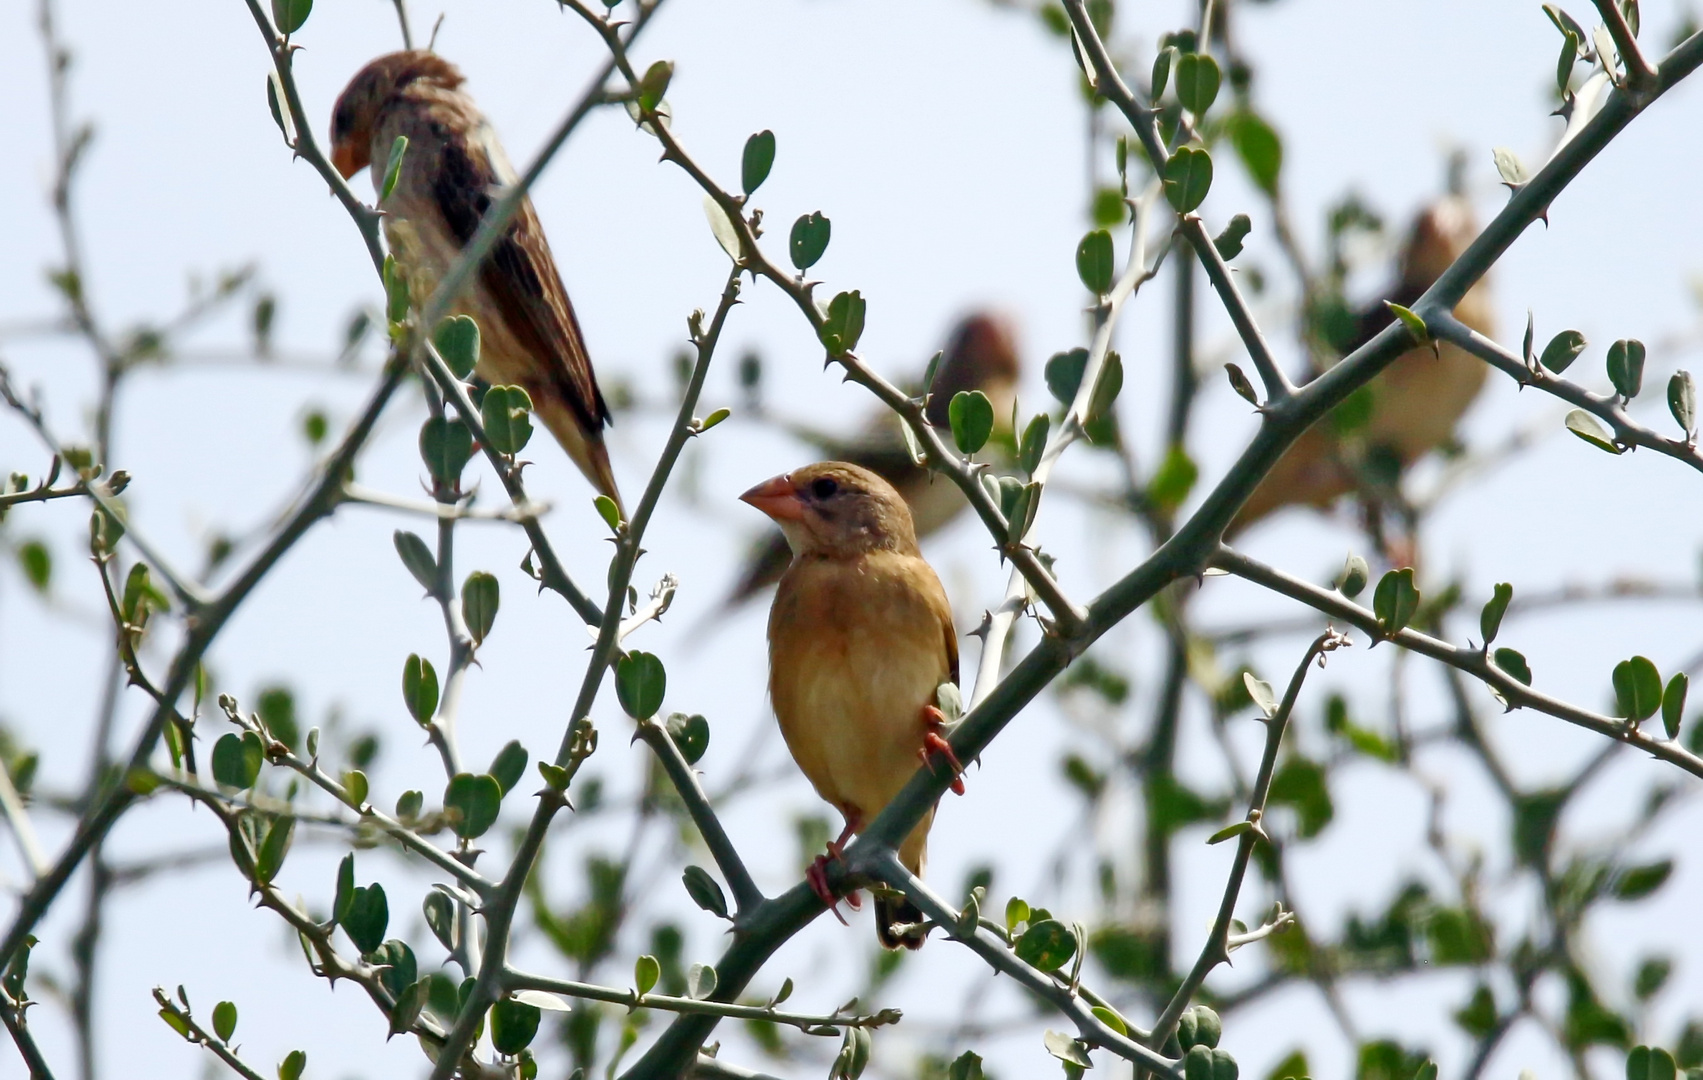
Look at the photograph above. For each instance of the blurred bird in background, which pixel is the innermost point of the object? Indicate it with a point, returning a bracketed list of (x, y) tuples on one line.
[(1409, 409), (454, 168), (980, 355), (860, 640)]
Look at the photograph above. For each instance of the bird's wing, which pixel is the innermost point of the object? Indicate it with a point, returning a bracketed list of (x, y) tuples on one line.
[(520, 276)]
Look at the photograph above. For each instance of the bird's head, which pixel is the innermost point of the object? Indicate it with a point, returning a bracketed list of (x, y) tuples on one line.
[(836, 510), (1440, 233), (980, 355), (370, 91)]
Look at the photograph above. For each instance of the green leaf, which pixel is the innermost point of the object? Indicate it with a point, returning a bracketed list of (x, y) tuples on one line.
[(457, 341), (1173, 480), (1355, 573), (1626, 367), (1048, 945), (1258, 145), (690, 733), (506, 414), (1637, 688), (608, 511), (1650, 1063), (439, 911), (1514, 664), (843, 325), (479, 600), (344, 896), (713, 419), (1395, 600), (1228, 243), (700, 981), (1673, 702), (1094, 262), (1571, 46), (1198, 80), (640, 683), (1509, 167), (476, 799), (1427, 1071), (446, 446), (367, 918), (1064, 375), (1239, 383), (654, 84), (759, 158), (966, 1066), (417, 557), (1637, 882), (411, 1001), (236, 760), (1590, 429), (555, 777), (401, 968), (1490, 619), (809, 240), (971, 415), (1682, 403), (295, 1061), (1110, 1019), (509, 765), (1161, 73), (1411, 322), (705, 891), (36, 561), (1016, 911), (420, 688), (1228, 831), (1207, 1028), (1066, 1049), (646, 971), (224, 1020), (1261, 693), (409, 804), (355, 783), (396, 297), (1562, 350), (393, 168), (1034, 443), (1188, 177), (289, 15), (513, 1025)]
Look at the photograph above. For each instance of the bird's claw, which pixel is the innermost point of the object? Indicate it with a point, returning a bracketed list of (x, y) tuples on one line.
[(933, 742), (817, 876)]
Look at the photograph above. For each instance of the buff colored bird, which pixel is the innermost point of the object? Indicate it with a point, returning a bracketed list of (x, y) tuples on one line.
[(454, 168), (1415, 402), (980, 355), (860, 639)]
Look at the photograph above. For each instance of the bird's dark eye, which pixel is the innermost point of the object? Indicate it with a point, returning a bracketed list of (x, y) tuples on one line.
[(823, 488)]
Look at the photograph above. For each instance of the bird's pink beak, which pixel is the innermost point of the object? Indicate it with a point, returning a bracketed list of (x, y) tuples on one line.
[(777, 498), (343, 159)]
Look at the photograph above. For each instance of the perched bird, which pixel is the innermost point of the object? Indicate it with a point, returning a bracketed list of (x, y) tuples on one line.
[(980, 355), (860, 640), (1414, 403), (453, 170)]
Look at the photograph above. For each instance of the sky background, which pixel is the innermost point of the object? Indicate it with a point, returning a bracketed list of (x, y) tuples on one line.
[(947, 143)]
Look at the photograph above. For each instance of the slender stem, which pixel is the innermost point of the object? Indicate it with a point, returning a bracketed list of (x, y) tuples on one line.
[(579, 739), (1472, 661), (402, 22), (1002, 959), (1217, 948), (200, 1036), (746, 895), (632, 999), (1606, 407), (18, 1027)]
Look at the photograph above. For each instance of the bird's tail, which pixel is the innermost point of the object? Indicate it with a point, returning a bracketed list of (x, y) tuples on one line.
[(584, 447), (896, 922)]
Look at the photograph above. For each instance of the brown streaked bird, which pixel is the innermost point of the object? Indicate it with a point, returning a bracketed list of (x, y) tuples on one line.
[(860, 639), (453, 170), (980, 355), (1416, 401)]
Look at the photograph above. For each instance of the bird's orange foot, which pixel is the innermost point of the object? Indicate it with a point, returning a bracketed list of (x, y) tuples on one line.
[(933, 742)]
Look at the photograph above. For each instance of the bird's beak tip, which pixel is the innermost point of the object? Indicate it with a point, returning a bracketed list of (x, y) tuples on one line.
[(343, 160), (775, 497)]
